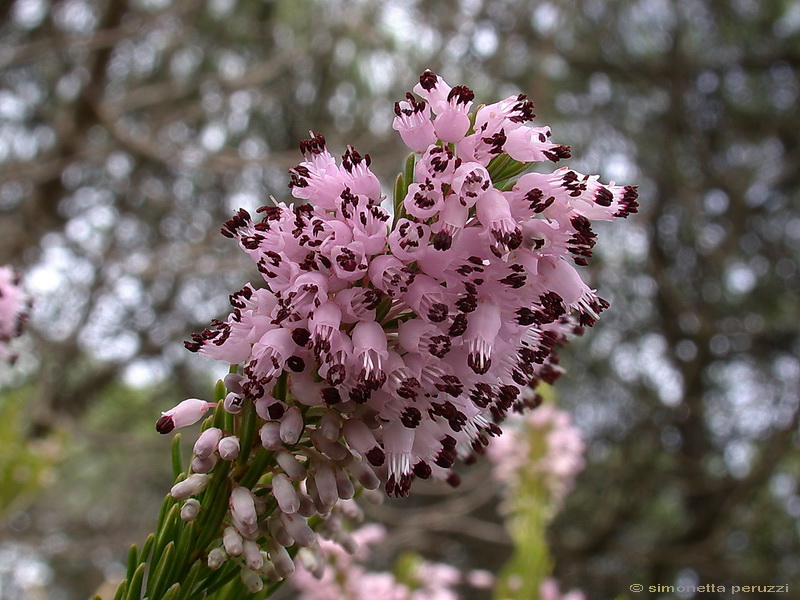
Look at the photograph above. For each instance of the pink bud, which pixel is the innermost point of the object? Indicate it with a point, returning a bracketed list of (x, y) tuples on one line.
[(232, 540), (279, 532), (190, 510), (333, 450), (285, 494), (360, 438), (344, 485), (233, 403), (207, 442), (346, 541), (233, 382), (270, 435), (252, 580), (364, 474), (204, 465), (284, 565), (299, 530), (242, 506), (291, 426), (307, 508), (216, 558), (325, 480), (291, 466), (229, 447), (252, 555), (191, 486), (330, 425)]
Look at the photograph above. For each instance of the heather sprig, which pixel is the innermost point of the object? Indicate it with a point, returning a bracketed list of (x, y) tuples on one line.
[(377, 348)]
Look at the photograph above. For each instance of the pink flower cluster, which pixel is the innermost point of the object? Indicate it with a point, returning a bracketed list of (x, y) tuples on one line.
[(421, 336), (346, 578), (378, 347), (14, 308), (557, 457)]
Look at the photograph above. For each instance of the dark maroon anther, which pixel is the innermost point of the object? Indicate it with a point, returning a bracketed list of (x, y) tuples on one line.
[(422, 470), (376, 456), (165, 424), (428, 80), (331, 395)]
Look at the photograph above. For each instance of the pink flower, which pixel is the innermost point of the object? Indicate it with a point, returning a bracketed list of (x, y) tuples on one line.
[(184, 414), (413, 123), (14, 309)]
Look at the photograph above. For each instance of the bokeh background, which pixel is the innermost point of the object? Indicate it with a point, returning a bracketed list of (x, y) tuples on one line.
[(131, 129)]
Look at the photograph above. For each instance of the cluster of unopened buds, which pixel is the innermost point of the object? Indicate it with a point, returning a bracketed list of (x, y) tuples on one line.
[(14, 309), (383, 346)]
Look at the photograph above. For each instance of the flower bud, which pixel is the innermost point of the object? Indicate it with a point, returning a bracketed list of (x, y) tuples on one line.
[(243, 507), (284, 565), (216, 558), (191, 486), (232, 541), (233, 403), (268, 569), (325, 481), (291, 466), (307, 508), (252, 555), (285, 494), (190, 510), (364, 474), (344, 486), (330, 426), (298, 528), (207, 442), (228, 447), (270, 435), (252, 580), (333, 450), (204, 465), (233, 382), (312, 562), (278, 531), (291, 425)]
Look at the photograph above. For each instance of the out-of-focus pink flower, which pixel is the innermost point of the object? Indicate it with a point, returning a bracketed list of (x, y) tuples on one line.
[(14, 308), (559, 462), (550, 591), (347, 577)]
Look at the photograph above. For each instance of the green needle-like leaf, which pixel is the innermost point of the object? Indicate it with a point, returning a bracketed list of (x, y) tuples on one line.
[(133, 562), (166, 533), (408, 171), (398, 195), (159, 578), (122, 589), (146, 548), (247, 431), (134, 591), (177, 459), (172, 592)]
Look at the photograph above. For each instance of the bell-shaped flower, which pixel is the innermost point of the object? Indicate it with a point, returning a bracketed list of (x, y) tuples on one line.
[(413, 123), (452, 123), (424, 199), (184, 414)]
